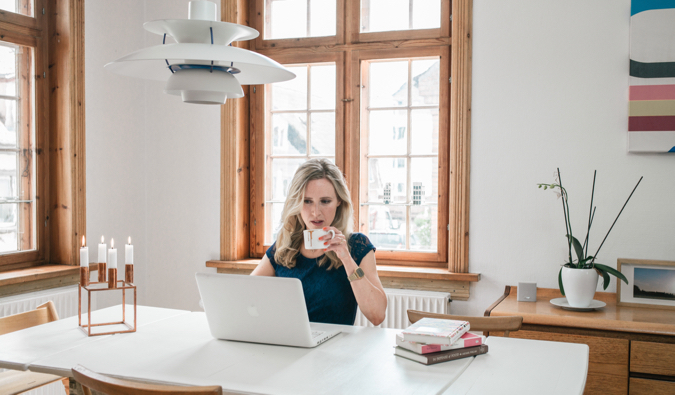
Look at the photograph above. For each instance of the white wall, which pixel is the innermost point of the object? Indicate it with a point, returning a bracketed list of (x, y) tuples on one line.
[(550, 89), (152, 161), (550, 84)]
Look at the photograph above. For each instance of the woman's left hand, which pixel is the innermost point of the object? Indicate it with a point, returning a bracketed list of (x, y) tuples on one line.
[(337, 244)]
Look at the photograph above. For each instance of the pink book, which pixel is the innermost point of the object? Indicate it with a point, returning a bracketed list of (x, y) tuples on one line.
[(467, 340)]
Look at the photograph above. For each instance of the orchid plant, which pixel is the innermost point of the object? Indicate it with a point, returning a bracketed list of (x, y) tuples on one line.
[(583, 259)]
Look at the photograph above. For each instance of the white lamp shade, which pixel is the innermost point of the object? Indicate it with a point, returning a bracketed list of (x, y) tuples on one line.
[(150, 63), (204, 10), (192, 31), (201, 86)]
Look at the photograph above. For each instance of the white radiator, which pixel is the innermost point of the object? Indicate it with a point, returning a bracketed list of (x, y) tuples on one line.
[(65, 301), (64, 298), (399, 301)]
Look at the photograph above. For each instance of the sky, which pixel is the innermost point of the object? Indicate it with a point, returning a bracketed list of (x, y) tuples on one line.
[(657, 280)]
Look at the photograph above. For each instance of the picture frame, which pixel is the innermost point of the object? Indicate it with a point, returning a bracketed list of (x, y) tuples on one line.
[(655, 282)]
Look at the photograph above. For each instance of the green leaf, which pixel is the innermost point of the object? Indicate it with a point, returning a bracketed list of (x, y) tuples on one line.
[(612, 271), (605, 278), (562, 289), (577, 248)]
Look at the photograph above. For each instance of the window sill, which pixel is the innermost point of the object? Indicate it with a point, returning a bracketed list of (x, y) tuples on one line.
[(13, 282), (408, 277)]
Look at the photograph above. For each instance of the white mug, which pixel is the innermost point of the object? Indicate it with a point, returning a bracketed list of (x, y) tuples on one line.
[(312, 241)]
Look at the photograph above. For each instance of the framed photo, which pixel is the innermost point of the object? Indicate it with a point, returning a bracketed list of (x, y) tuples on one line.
[(650, 283)]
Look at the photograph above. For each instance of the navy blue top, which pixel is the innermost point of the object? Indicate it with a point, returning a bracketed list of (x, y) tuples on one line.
[(328, 294)]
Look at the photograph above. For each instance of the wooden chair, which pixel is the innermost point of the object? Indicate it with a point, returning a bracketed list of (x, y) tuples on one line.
[(112, 386), (14, 381), (480, 324)]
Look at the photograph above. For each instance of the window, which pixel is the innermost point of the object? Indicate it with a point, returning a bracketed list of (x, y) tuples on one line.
[(17, 139), (394, 137), (300, 117), (42, 194), (20, 130), (23, 7)]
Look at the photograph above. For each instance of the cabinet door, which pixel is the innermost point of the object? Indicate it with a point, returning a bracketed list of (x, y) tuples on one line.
[(652, 358), (607, 360), (651, 387)]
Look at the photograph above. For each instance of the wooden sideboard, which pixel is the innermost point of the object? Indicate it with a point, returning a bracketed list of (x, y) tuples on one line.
[(632, 349)]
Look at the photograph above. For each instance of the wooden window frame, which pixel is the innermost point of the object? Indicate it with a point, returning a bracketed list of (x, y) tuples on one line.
[(257, 152), (56, 31), (241, 242), (410, 258)]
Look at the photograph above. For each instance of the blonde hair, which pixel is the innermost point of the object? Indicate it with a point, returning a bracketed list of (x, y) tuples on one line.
[(290, 236)]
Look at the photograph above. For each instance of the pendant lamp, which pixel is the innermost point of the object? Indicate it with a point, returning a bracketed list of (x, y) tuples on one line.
[(201, 66)]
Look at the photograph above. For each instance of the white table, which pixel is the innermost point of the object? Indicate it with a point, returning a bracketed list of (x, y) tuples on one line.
[(179, 349)]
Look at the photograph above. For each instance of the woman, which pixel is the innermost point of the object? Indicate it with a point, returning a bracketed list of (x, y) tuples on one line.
[(318, 198)]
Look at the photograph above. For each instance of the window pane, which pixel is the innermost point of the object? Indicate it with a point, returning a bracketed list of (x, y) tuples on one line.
[(384, 230), (388, 132), (273, 214), (424, 131), (8, 176), (388, 84), (322, 18), (424, 171), (300, 18), (291, 95), (23, 7), (323, 134), (8, 115), (282, 174), (387, 176), (423, 225), (323, 87), (289, 134), (426, 14), (17, 142), (8, 228), (388, 15), (8, 70), (425, 75)]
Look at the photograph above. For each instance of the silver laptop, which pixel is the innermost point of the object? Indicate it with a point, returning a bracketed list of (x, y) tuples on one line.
[(258, 309)]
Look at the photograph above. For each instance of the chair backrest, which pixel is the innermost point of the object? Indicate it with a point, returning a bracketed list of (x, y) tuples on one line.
[(480, 324), (112, 386), (41, 315)]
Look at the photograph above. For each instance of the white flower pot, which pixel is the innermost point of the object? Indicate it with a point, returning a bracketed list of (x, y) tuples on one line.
[(580, 286)]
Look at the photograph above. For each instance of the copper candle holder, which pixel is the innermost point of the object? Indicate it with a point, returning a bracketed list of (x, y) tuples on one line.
[(84, 276), (129, 274), (104, 286), (112, 278), (101, 272)]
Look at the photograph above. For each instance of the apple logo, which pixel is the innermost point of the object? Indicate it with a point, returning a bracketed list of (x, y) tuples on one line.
[(253, 311)]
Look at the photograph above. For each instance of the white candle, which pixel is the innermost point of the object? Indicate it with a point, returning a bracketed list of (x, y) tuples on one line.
[(112, 255), (102, 252), (129, 253), (84, 254)]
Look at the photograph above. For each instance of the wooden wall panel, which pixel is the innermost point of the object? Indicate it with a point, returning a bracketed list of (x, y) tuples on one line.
[(66, 210), (234, 169), (460, 135)]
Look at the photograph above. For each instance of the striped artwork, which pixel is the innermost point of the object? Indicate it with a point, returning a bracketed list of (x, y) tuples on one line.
[(651, 118)]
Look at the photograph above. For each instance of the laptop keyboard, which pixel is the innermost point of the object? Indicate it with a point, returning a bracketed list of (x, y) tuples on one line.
[(317, 333)]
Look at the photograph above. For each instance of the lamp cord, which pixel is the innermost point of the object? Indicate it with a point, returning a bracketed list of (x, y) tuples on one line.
[(211, 44), (166, 60)]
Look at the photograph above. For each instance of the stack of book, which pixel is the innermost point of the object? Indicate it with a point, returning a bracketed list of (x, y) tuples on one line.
[(433, 340)]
